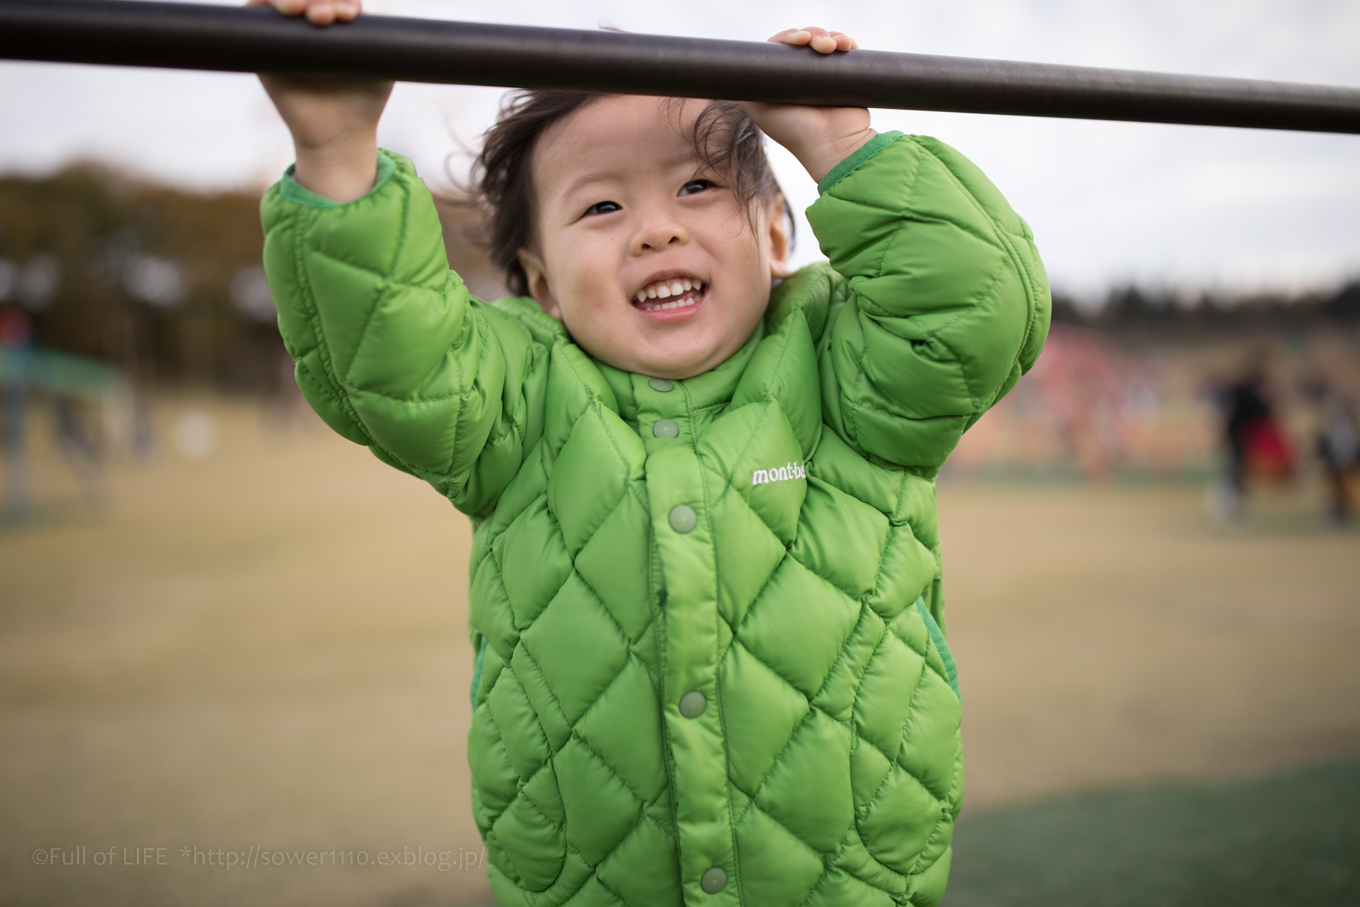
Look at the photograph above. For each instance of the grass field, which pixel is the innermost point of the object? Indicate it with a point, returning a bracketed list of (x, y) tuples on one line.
[(1287, 839), (263, 652)]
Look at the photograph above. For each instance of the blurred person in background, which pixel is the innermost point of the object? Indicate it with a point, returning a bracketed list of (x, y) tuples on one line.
[(16, 343), (81, 446), (1255, 445), (1338, 446)]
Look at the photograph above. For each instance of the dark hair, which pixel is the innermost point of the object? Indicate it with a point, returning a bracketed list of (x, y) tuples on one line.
[(501, 185)]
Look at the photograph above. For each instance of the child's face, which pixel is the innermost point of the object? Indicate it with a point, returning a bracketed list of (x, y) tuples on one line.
[(622, 212)]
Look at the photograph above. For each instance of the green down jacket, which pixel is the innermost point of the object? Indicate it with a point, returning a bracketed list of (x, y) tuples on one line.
[(711, 664)]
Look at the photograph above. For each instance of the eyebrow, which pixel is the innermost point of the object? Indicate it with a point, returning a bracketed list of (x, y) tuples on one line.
[(596, 176)]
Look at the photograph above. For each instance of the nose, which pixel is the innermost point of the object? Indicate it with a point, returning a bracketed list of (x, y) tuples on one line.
[(659, 230)]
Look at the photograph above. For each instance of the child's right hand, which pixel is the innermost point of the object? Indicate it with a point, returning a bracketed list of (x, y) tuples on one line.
[(334, 122), (820, 137)]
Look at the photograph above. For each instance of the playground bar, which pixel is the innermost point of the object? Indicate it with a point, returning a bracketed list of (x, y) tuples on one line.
[(238, 39)]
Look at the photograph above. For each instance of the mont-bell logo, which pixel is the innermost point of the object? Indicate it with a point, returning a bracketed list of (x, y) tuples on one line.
[(785, 473)]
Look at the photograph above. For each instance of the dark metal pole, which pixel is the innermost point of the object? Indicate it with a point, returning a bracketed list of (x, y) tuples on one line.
[(236, 39)]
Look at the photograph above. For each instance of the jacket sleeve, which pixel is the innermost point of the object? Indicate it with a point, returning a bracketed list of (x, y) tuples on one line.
[(945, 301), (390, 349)]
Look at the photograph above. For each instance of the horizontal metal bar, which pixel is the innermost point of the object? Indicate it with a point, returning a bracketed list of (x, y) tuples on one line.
[(238, 39)]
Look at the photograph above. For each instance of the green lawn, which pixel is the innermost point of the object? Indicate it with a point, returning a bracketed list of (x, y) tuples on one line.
[(267, 647), (1291, 839)]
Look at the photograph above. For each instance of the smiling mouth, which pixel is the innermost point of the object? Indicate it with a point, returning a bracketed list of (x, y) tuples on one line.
[(673, 293)]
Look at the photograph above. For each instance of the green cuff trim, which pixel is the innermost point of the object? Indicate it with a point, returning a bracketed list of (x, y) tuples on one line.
[(294, 191), (477, 671), (941, 646), (857, 157)]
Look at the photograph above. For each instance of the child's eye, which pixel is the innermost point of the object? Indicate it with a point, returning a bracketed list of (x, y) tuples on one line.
[(694, 186), (604, 208)]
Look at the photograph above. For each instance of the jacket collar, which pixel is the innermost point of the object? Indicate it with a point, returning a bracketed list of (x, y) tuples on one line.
[(711, 389)]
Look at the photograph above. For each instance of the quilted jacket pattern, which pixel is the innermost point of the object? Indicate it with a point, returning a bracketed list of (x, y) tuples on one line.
[(711, 668)]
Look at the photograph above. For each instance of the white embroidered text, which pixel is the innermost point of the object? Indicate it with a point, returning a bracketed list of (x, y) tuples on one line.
[(783, 473)]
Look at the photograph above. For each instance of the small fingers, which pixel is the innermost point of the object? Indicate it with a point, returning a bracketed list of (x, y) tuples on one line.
[(844, 41), (795, 36), (823, 44), (317, 12), (819, 39), (321, 12), (284, 7)]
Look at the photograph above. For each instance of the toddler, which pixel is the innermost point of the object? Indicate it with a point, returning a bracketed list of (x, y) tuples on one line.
[(711, 665)]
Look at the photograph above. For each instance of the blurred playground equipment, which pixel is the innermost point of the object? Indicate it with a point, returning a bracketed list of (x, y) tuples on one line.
[(71, 384)]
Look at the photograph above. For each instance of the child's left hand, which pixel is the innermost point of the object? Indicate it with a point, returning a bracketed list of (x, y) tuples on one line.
[(820, 137)]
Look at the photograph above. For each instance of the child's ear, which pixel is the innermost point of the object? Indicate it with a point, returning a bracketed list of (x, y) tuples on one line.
[(777, 229), (536, 276)]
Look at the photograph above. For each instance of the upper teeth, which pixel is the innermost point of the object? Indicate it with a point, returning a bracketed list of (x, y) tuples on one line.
[(664, 289)]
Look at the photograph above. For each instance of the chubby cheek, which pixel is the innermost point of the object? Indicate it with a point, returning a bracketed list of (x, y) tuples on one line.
[(586, 274), (588, 305), (590, 328)]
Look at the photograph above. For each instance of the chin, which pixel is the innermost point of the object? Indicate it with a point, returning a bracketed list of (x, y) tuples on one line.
[(679, 366)]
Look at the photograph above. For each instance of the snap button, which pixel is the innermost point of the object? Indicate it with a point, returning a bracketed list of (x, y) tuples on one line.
[(661, 384), (713, 880), (683, 518), (665, 428), (692, 704)]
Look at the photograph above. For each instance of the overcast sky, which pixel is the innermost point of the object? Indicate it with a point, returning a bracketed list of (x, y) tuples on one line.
[(1193, 207)]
